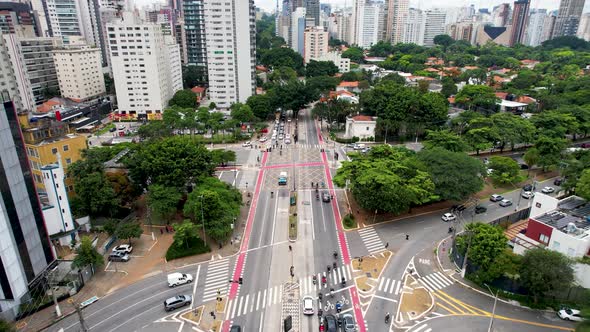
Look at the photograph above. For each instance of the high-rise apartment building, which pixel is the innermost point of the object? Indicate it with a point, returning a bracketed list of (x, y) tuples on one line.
[(146, 67), (14, 80), (312, 10), (568, 18), (534, 31), (397, 12), (297, 31), (15, 16), (35, 55), (584, 28), (549, 25), (231, 50), (414, 27), (194, 28), (462, 31), (26, 250), (368, 14), (79, 72), (501, 15), (434, 26), (315, 43), (520, 16)]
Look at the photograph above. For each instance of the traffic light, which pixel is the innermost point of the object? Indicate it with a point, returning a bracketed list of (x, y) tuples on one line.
[(240, 280)]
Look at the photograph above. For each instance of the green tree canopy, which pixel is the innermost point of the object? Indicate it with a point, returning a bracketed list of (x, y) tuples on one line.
[(184, 233), (163, 200), (445, 139), (544, 271), (386, 179), (185, 99), (505, 170), (283, 57), (443, 40), (242, 113), (355, 54), (260, 106), (320, 68), (94, 193), (86, 254), (550, 150), (129, 230), (583, 186), (193, 76), (394, 77), (456, 175), (448, 87), (487, 243), (478, 97), (381, 49)]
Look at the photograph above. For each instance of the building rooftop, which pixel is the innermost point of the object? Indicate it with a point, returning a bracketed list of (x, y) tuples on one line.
[(349, 84), (572, 216), (363, 118)]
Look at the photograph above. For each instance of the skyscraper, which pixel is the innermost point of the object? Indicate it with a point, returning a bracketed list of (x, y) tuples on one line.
[(584, 28), (434, 26), (397, 12), (26, 250), (414, 27), (194, 28), (231, 60), (297, 30), (534, 31), (520, 16), (316, 43), (368, 23), (312, 10), (568, 18), (500, 15)]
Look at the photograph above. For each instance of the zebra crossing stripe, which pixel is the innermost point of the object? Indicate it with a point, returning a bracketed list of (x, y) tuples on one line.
[(246, 304), (239, 305), (391, 288), (229, 307), (434, 281), (264, 299), (269, 296), (397, 288), (420, 328), (386, 285), (381, 283), (443, 278), (258, 301)]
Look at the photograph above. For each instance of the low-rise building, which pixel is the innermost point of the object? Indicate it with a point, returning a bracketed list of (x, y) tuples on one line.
[(56, 207), (343, 64), (349, 86), (361, 126)]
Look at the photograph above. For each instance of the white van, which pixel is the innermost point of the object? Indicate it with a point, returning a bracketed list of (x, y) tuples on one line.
[(177, 278)]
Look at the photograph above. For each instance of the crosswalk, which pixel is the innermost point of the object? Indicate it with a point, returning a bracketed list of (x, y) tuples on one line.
[(299, 146), (390, 286), (333, 278), (216, 282), (422, 328), (371, 239), (435, 281), (252, 302)]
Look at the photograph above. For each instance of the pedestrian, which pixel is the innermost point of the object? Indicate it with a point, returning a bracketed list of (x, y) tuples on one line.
[(220, 246), (289, 247), (231, 242), (386, 245), (161, 231), (167, 230), (407, 236)]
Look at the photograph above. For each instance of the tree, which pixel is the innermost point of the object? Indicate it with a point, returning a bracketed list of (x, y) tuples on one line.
[(512, 129), (292, 96), (571, 42), (583, 185), (86, 254), (481, 138), (172, 162), (443, 40), (525, 79), (505, 264), (386, 179), (109, 84), (129, 230), (555, 123), (185, 99), (321, 85), (487, 243), (448, 87), (423, 86), (242, 113), (456, 175), (163, 200), (545, 271), (283, 57), (351, 76), (6, 326), (185, 232), (550, 149), (394, 77), (154, 130), (381, 49), (193, 76), (320, 68), (94, 194), (478, 97), (505, 170), (260, 106), (282, 74), (445, 139), (124, 189), (221, 156), (355, 54), (531, 157)]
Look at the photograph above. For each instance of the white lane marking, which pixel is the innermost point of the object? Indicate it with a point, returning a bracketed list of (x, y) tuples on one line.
[(274, 219), (381, 283), (195, 286), (258, 301)]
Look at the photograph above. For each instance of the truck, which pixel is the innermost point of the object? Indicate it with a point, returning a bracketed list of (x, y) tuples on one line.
[(283, 179)]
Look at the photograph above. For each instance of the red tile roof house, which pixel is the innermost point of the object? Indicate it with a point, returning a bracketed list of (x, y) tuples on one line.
[(200, 91), (361, 126), (349, 86)]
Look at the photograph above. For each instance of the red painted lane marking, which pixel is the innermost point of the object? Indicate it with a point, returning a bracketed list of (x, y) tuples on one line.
[(342, 243), (294, 165), (233, 291)]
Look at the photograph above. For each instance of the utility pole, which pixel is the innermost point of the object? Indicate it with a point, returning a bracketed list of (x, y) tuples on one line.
[(83, 327), (464, 267), (55, 303), (494, 308), (203, 220)]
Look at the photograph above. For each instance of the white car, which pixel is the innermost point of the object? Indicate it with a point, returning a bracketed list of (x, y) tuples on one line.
[(448, 217), (547, 190), (570, 314), (247, 144), (527, 194), (177, 278), (123, 248), (308, 305), (287, 140), (263, 139)]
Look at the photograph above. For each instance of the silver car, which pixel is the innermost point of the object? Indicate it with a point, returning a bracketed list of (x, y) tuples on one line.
[(178, 301), (347, 323)]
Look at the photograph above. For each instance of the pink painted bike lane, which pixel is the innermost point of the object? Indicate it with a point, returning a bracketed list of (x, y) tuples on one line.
[(358, 315), (233, 290)]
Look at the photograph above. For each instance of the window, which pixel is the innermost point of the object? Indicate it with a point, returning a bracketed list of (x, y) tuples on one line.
[(68, 161), (66, 148), (54, 150), (544, 238), (367, 128), (571, 252)]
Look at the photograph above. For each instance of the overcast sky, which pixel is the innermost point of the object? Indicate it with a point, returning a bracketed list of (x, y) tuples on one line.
[(269, 5)]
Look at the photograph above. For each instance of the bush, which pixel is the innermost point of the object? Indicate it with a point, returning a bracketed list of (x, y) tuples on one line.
[(345, 140), (349, 221), (195, 246)]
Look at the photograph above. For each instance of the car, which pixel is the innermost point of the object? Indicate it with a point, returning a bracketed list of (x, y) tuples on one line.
[(505, 202), (347, 323), (365, 150), (496, 198), (281, 136), (287, 140), (308, 305), (121, 127), (489, 171), (118, 257), (359, 146), (263, 139), (177, 301), (448, 217), (527, 187), (124, 248), (558, 181), (480, 209), (177, 278), (570, 314), (287, 136), (326, 197), (235, 328), (350, 145), (527, 194), (330, 323), (112, 130), (247, 144), (547, 190)]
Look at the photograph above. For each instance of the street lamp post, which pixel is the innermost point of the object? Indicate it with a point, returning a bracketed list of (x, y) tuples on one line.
[(494, 308), (203, 220)]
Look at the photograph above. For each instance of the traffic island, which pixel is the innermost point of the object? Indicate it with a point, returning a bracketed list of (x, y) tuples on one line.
[(415, 302), (293, 217), (194, 315), (366, 271), (211, 315)]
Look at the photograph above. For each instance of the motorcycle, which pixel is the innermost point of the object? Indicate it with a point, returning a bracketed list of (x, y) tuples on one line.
[(335, 254), (338, 306), (334, 265), (320, 295), (331, 292), (328, 268), (324, 281), (343, 282), (317, 197), (387, 318)]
